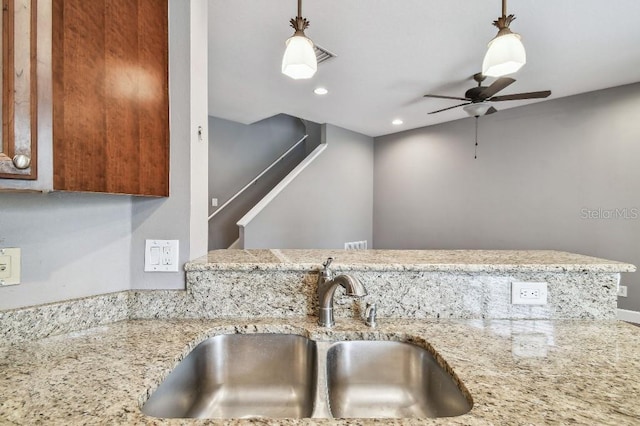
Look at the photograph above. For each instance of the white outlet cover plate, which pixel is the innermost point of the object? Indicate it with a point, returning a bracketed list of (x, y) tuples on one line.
[(10, 258), (161, 256), (356, 245), (518, 287)]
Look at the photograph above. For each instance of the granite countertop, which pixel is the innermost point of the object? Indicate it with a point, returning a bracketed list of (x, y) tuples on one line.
[(517, 371), (407, 260)]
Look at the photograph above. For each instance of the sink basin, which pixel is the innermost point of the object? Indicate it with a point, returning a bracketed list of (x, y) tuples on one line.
[(290, 376), (241, 376), (381, 379)]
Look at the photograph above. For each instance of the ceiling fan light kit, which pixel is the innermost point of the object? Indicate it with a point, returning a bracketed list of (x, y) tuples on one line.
[(506, 53), (299, 60), (479, 109)]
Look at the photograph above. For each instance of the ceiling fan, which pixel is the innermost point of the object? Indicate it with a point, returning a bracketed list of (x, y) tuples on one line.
[(477, 98)]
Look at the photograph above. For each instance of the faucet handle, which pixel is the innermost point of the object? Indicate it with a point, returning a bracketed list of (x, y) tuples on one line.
[(370, 315), (327, 264)]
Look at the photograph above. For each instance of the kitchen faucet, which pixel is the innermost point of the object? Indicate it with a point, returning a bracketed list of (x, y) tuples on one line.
[(327, 285)]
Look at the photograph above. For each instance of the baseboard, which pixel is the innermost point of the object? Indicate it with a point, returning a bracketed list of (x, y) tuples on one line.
[(629, 316)]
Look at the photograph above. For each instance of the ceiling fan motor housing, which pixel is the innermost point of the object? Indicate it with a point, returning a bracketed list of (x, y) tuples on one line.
[(475, 94)]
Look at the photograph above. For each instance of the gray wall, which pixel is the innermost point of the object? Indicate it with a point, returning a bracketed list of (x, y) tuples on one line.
[(76, 245), (328, 204), (538, 168), (73, 245), (237, 154), (170, 218)]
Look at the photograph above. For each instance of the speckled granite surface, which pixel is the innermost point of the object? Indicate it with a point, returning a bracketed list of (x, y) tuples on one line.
[(403, 284), (407, 260), (517, 371), (400, 294), (63, 317)]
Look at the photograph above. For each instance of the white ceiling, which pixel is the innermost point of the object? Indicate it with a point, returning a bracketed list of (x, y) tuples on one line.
[(391, 52)]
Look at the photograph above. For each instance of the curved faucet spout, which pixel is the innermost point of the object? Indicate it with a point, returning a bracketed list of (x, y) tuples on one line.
[(352, 286), (326, 290)]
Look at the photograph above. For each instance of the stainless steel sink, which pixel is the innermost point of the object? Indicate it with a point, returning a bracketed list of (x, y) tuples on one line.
[(381, 379), (290, 376), (241, 376)]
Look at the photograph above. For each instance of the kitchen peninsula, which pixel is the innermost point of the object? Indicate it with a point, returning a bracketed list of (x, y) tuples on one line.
[(569, 361)]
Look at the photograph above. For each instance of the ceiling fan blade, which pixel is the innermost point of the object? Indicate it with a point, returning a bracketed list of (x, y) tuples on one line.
[(446, 97), (497, 86), (444, 109), (519, 96), (490, 111)]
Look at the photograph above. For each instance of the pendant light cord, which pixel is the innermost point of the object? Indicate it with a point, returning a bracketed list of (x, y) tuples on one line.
[(504, 7), (300, 9), (475, 156)]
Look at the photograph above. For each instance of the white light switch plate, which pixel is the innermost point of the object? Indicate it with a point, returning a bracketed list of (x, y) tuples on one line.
[(161, 256), (9, 266)]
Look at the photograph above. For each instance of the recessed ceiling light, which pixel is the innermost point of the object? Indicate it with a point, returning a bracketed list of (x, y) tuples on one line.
[(320, 91), (397, 122)]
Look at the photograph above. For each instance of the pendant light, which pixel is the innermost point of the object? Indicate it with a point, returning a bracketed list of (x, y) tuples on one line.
[(506, 53), (299, 60)]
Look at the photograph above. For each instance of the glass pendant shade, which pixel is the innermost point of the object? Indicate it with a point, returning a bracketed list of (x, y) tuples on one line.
[(299, 60), (505, 55), (476, 109)]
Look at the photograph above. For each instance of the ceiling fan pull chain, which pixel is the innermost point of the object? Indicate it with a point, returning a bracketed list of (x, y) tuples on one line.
[(475, 157)]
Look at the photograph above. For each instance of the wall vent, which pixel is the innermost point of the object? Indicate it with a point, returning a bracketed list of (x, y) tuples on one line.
[(322, 54)]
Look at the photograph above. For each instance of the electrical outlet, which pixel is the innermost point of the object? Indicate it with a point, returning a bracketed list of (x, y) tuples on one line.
[(161, 256), (356, 245), (5, 266), (528, 293), (9, 266), (622, 291)]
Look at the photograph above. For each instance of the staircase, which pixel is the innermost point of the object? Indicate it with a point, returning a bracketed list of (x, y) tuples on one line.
[(258, 147)]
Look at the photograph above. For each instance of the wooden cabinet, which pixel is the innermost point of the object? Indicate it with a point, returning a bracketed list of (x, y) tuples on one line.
[(110, 96), (18, 134)]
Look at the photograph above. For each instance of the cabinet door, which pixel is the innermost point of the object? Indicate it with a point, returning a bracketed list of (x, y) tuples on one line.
[(18, 132), (110, 96)]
